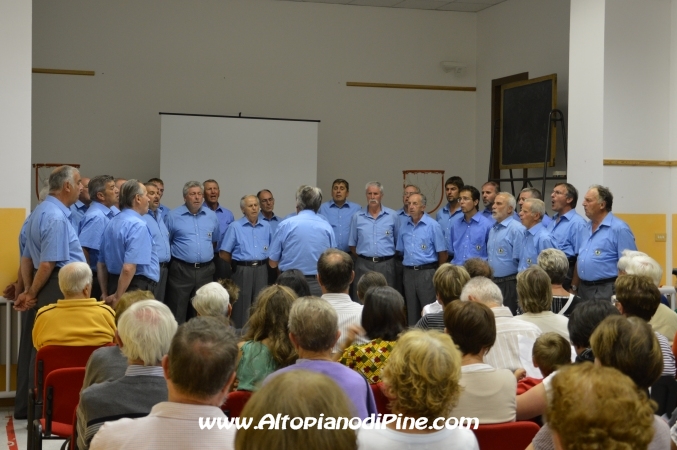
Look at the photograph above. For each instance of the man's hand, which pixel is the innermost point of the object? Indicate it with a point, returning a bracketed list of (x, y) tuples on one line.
[(112, 300), (24, 302), (10, 291), (520, 373)]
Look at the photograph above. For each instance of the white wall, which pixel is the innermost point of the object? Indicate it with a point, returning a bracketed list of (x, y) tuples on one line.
[(262, 58)]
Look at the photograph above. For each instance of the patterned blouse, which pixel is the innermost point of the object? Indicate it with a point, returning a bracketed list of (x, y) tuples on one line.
[(368, 359)]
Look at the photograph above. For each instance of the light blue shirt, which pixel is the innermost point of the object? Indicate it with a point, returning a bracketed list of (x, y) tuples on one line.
[(546, 220), (23, 236), (599, 252), (444, 219), (192, 236), (91, 230), (225, 218), (78, 210), (339, 218), (536, 239), (127, 240), (247, 242), (504, 246), (566, 232), (160, 234), (50, 236), (273, 222), (163, 211), (300, 240), (422, 242), (469, 239), (115, 210), (487, 213), (373, 237)]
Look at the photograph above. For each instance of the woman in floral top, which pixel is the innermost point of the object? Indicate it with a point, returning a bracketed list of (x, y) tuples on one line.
[(383, 319)]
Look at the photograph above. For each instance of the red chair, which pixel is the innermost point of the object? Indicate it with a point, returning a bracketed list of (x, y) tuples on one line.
[(506, 436), (235, 403), (61, 397), (382, 402)]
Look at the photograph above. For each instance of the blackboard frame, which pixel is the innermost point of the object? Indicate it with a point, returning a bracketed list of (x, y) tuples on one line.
[(525, 86)]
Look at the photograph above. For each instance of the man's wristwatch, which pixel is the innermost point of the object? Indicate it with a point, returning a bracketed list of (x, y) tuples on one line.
[(574, 288)]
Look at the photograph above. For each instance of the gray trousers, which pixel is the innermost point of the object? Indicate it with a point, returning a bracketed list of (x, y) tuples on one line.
[(250, 280), (161, 287), (418, 292), (599, 291), (509, 291), (399, 276), (182, 282), (386, 268), (315, 288)]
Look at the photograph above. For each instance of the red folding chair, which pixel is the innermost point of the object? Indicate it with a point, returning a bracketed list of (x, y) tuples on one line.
[(506, 436), (382, 402), (235, 403), (61, 398)]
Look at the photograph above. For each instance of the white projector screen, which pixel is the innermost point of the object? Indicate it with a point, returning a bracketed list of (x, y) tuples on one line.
[(244, 155)]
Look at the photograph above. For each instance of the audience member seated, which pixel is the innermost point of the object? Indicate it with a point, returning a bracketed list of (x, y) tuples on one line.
[(448, 281), (199, 370), (477, 267), (599, 407), (266, 347), (144, 335), (213, 300), (488, 393), (422, 381), (551, 351), (313, 330), (505, 352), (556, 265), (108, 363), (383, 319), (78, 319), (534, 297), (300, 393), (369, 280), (296, 281)]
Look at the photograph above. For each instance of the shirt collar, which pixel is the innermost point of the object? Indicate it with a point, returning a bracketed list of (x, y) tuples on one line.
[(333, 204), (607, 220), (55, 201), (186, 211), (79, 204), (98, 205), (135, 370), (506, 221), (501, 311), (535, 229)]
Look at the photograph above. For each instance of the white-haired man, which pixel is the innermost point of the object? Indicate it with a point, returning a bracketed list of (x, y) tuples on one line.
[(536, 236)]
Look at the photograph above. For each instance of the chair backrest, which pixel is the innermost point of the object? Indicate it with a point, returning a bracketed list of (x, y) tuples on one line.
[(506, 436), (382, 402), (235, 403), (63, 386)]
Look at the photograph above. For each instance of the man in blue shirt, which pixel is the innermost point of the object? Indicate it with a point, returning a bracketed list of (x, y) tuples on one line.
[(503, 248), (532, 192), (160, 234), (452, 187), (372, 236), (339, 212), (301, 239), (402, 217), (51, 243), (470, 231), (162, 210), (193, 232), (536, 236), (104, 194), (245, 248), (79, 208), (127, 259), (212, 192), (566, 225), (600, 246), (421, 240), (267, 203)]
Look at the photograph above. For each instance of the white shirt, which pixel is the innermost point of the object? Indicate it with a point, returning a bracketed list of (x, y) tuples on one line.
[(169, 425), (432, 308), (349, 313), (505, 352), (548, 322), (387, 439)]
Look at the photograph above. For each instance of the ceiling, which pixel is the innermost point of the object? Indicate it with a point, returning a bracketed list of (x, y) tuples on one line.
[(439, 5)]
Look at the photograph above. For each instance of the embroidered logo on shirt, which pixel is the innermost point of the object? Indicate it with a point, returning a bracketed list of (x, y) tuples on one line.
[(478, 247), (529, 261), (423, 247), (501, 251), (598, 252), (387, 232), (209, 234), (265, 248)]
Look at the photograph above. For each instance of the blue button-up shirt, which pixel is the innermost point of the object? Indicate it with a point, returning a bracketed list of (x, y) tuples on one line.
[(444, 218), (469, 239), (300, 240), (50, 236), (78, 210), (163, 212), (247, 242), (192, 236), (374, 237), (225, 218), (339, 218), (422, 242), (91, 230), (546, 220), (536, 239), (504, 246), (127, 240), (160, 234), (115, 210), (274, 221), (599, 252), (23, 235), (566, 232)]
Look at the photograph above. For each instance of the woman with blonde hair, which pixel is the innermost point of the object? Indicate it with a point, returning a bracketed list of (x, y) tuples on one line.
[(266, 345), (534, 296)]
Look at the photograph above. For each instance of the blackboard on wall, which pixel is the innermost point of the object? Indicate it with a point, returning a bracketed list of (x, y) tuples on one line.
[(525, 118)]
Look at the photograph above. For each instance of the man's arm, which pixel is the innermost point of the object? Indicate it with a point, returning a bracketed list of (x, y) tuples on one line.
[(441, 258), (575, 280), (353, 250), (85, 250), (226, 256), (34, 285), (102, 275), (128, 272)]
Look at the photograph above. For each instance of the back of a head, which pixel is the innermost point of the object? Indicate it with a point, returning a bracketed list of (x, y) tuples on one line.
[(369, 280), (61, 175), (422, 374), (299, 394), (599, 407), (74, 278), (314, 324), (551, 351), (477, 267), (626, 257), (638, 295), (534, 291), (555, 264), (295, 280), (449, 280), (335, 270), (647, 266), (202, 357), (232, 289), (629, 345), (482, 290), (383, 314), (212, 300), (471, 325), (308, 198), (128, 299), (586, 317), (146, 331)]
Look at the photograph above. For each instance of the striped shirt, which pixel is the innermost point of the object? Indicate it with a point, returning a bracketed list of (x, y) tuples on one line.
[(668, 357), (349, 313), (432, 321), (505, 352)]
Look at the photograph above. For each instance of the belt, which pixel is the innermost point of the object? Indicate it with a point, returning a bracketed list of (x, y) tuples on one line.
[(508, 278), (143, 278), (598, 282), (194, 265), (310, 277), (164, 264), (399, 257), (377, 259), (260, 262), (422, 266)]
